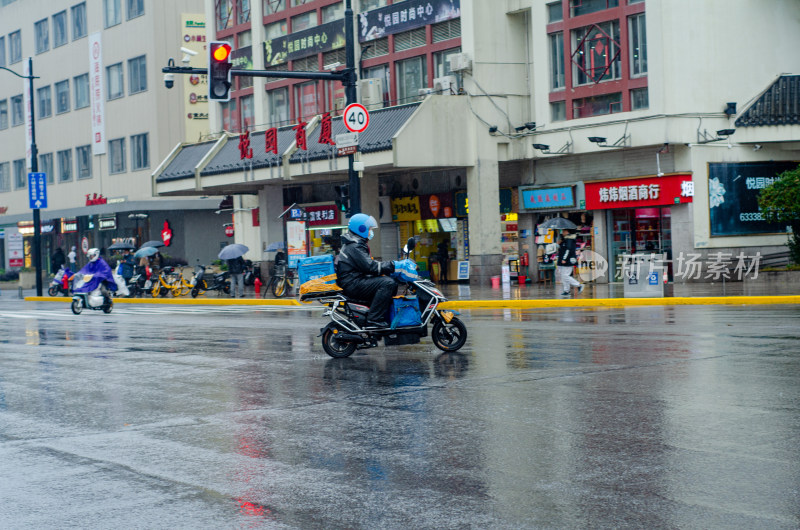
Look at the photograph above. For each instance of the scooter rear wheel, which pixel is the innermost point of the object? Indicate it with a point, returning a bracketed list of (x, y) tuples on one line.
[(279, 287), (449, 336), (77, 307), (336, 348), (108, 307)]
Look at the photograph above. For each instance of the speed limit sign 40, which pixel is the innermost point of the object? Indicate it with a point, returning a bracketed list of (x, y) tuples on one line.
[(356, 117)]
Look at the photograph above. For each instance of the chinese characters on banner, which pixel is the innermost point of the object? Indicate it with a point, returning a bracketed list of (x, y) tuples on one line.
[(325, 132), (300, 135), (325, 215), (271, 140), (405, 16), (322, 38), (639, 192), (245, 151), (96, 96)]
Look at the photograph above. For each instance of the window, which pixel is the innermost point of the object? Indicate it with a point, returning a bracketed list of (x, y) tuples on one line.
[(15, 47), (639, 99), (276, 29), (584, 7), (81, 84), (17, 117), (3, 114), (333, 12), (558, 111), (46, 167), (409, 39), (411, 76), (596, 56), (224, 10), (112, 15), (597, 105), (279, 106), (366, 5), (273, 6), (115, 81), (62, 96), (638, 45), (557, 61), (44, 102), (42, 32), (304, 21), (242, 11), (230, 116), (634, 1), (83, 161), (375, 48), (248, 114), (2, 51), (59, 29), (140, 157), (450, 29), (20, 180), (5, 176), (554, 12), (441, 62), (306, 100), (135, 8), (64, 165), (79, 21), (116, 156), (137, 75)]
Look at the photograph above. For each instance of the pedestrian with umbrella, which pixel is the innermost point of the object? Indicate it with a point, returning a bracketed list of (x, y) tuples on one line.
[(236, 266), (567, 259)]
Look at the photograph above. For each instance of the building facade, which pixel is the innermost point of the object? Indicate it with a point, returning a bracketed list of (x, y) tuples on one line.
[(103, 120), (649, 124)]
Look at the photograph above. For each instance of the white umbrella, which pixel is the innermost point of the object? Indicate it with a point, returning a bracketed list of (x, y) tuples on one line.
[(233, 251)]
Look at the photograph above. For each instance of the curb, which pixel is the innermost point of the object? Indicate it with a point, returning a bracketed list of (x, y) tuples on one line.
[(475, 304)]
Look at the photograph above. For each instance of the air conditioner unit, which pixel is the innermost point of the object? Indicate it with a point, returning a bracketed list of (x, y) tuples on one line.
[(371, 92), (445, 85), (460, 62)]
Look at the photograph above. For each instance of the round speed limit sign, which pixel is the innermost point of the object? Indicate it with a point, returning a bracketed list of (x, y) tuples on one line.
[(356, 117)]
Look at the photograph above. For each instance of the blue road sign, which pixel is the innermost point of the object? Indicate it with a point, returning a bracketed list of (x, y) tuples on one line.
[(37, 190)]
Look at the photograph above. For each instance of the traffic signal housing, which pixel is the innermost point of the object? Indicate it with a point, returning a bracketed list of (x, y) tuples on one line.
[(219, 71), (343, 200)]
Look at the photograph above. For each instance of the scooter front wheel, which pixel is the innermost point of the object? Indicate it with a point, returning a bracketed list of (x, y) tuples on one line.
[(52, 291), (334, 347), (77, 307), (108, 306), (449, 336)]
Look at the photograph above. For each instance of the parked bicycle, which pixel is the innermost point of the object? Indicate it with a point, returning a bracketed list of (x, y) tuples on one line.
[(283, 279)]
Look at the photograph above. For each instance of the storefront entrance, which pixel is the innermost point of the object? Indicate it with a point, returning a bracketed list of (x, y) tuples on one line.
[(638, 231)]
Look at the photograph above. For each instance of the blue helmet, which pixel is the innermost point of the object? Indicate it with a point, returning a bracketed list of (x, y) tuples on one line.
[(362, 225)]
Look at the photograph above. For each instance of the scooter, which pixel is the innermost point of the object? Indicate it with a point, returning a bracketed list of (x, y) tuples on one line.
[(93, 300), (58, 286), (220, 281), (249, 274), (137, 283), (348, 328)]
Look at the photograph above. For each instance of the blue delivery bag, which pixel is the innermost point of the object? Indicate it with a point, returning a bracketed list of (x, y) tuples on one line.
[(315, 267), (405, 271), (404, 312)]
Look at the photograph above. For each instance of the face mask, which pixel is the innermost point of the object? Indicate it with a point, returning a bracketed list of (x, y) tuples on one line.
[(371, 233)]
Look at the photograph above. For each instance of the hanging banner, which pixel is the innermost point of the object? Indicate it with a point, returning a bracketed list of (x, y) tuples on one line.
[(403, 16), (195, 87), (27, 97), (97, 96), (322, 38), (296, 240), (405, 209)]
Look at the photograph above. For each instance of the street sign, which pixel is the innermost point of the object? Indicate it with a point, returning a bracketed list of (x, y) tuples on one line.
[(345, 151), (356, 117), (37, 190), (347, 140)]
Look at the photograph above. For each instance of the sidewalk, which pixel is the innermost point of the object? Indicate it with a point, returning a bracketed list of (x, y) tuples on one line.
[(465, 296)]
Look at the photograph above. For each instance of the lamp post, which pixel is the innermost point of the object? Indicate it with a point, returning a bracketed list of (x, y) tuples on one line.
[(37, 220)]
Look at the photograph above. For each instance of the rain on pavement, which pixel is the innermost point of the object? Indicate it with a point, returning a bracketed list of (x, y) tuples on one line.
[(168, 416)]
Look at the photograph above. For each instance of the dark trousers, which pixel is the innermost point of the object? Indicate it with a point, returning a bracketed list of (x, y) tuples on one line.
[(379, 290)]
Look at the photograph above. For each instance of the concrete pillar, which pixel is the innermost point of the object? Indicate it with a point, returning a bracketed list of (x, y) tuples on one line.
[(270, 204), (483, 191), (244, 231)]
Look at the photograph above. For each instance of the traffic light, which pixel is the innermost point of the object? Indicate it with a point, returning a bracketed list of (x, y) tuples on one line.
[(343, 202), (219, 71)]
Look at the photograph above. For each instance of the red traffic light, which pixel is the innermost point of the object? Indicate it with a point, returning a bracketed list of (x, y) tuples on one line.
[(220, 52)]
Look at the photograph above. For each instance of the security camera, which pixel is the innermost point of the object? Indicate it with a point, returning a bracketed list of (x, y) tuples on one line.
[(187, 50), (169, 80), (187, 54)]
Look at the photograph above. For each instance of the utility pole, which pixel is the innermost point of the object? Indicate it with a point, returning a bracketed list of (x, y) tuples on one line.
[(350, 95)]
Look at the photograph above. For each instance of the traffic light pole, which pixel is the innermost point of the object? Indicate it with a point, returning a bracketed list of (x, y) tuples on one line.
[(348, 77)]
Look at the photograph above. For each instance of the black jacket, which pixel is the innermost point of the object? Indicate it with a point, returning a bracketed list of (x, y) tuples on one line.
[(57, 260), (236, 265), (566, 252), (354, 263)]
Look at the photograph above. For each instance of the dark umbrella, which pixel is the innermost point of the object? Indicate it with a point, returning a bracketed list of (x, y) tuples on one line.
[(558, 223), (154, 243), (233, 251), (145, 251), (121, 245)]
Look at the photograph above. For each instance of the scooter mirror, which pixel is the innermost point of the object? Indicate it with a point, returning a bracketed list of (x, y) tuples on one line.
[(410, 245)]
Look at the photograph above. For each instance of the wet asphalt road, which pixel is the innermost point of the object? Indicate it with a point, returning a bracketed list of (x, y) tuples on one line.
[(191, 417)]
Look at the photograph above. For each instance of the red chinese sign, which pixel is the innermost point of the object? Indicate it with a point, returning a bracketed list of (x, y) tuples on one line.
[(166, 233), (300, 135), (325, 215), (271, 140), (639, 192), (245, 151), (325, 131), (92, 199)]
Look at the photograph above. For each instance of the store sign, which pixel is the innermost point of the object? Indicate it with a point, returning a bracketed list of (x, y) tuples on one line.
[(436, 206), (639, 192), (733, 197), (296, 240), (166, 233), (26, 227), (405, 209), (546, 198), (69, 226), (325, 215), (242, 59), (404, 16), (96, 93), (16, 256), (322, 38), (107, 223)]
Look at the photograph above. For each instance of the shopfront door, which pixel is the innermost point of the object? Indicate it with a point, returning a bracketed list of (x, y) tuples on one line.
[(638, 230)]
